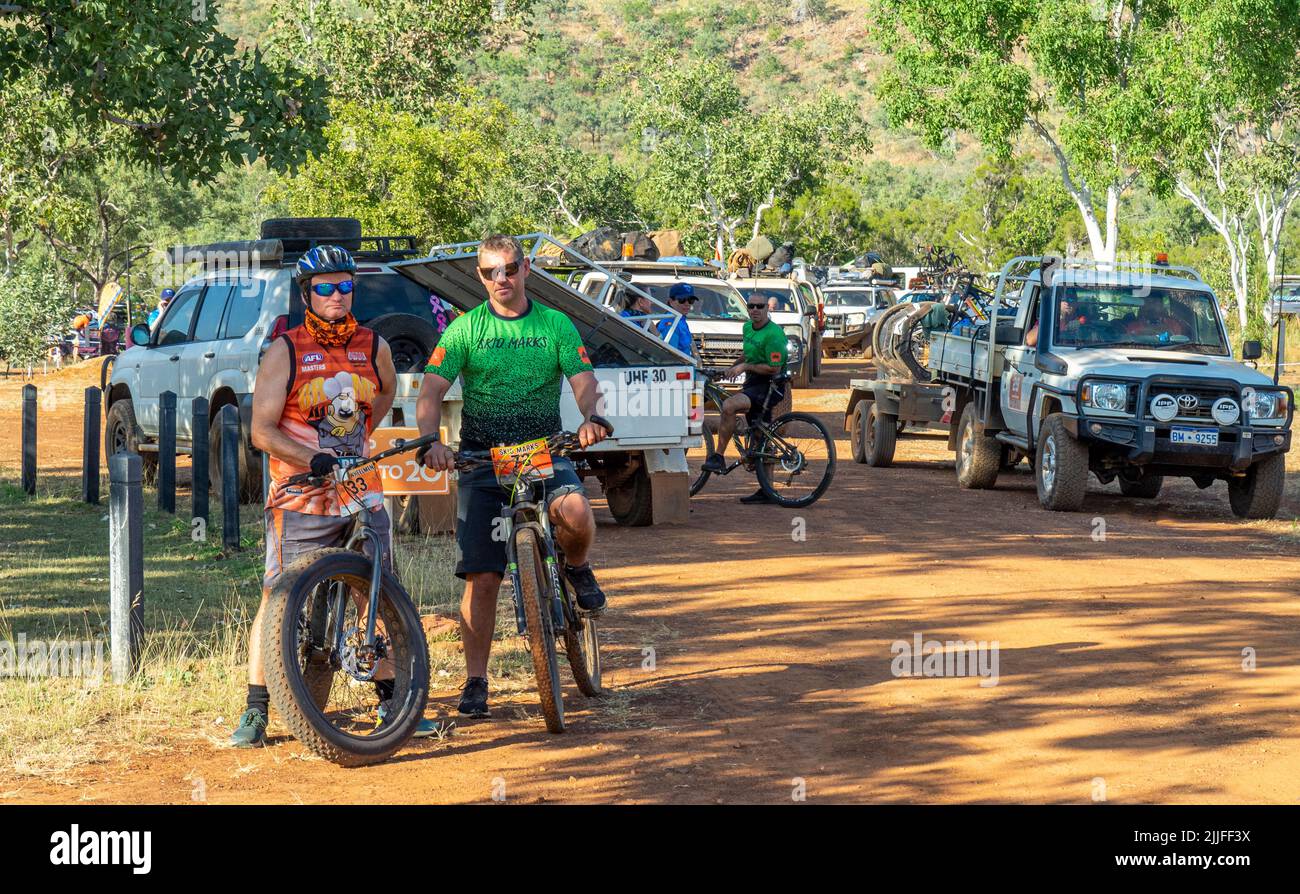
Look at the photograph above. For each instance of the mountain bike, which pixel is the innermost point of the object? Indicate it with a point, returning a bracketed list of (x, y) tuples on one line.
[(545, 606), (336, 622), (792, 455)]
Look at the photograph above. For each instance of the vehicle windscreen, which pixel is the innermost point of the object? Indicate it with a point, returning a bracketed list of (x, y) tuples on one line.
[(1119, 316), (784, 298), (856, 298), (715, 302)]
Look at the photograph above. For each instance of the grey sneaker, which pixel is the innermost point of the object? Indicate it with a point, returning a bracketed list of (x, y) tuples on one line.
[(423, 729), (251, 731)]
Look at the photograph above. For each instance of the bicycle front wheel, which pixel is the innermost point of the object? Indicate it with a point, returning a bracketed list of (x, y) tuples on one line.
[(320, 690), (535, 592), (795, 459)]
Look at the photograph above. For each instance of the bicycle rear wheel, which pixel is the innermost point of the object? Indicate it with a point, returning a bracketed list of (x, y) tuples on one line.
[(312, 684), (582, 645), (795, 459), (535, 592)]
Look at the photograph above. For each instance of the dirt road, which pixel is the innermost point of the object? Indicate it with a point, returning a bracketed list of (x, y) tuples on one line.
[(749, 665)]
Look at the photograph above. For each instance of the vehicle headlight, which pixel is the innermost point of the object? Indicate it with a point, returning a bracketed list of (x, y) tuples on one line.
[(1264, 405), (793, 349), (1111, 396), (856, 319)]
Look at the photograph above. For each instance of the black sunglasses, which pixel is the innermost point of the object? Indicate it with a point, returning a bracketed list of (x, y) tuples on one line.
[(762, 306)]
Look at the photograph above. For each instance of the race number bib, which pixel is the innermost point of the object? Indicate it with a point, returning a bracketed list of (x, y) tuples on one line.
[(359, 487), (531, 456)]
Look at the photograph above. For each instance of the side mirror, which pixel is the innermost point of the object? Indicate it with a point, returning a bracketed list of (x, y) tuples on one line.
[(1251, 350), (140, 335)]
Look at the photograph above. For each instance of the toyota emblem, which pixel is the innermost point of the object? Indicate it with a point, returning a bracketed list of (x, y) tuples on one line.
[(1187, 402)]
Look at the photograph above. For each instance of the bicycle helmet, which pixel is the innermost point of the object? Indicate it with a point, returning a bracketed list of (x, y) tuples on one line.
[(325, 259)]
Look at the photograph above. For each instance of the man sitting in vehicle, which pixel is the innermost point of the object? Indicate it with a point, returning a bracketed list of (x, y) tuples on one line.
[(318, 381), (1154, 320), (765, 356), (681, 298), (1069, 321), (511, 354)]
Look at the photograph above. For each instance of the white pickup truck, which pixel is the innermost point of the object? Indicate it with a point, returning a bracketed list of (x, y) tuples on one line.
[(650, 391), (1121, 370)]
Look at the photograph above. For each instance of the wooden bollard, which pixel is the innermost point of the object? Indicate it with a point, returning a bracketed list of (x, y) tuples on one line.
[(29, 439), (90, 447), (125, 562)]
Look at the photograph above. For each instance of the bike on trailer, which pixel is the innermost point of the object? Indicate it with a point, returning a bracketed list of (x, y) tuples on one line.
[(337, 621), (793, 455), (545, 606)]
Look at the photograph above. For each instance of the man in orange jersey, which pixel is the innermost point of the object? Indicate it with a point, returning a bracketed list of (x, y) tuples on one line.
[(320, 390)]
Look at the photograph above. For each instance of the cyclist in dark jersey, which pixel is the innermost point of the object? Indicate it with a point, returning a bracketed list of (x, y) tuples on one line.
[(511, 354)]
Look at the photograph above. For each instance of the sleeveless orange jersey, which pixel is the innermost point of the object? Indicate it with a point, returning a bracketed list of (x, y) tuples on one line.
[(328, 410)]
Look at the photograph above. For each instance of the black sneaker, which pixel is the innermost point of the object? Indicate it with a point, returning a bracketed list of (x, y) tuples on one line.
[(715, 463), (473, 698), (590, 596), (758, 496)]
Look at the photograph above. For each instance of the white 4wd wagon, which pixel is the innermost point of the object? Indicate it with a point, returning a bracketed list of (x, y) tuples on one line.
[(212, 337)]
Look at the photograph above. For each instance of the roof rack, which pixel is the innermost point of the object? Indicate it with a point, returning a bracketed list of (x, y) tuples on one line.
[(1063, 264), (271, 253)]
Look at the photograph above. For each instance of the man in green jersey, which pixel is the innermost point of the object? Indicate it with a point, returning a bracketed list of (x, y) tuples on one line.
[(510, 354), (765, 356)]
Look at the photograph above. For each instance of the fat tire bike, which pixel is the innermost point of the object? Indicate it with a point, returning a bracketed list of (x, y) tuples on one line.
[(334, 620)]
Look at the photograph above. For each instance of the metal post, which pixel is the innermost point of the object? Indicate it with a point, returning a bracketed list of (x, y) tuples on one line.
[(29, 439), (126, 562), (90, 447), (230, 477), (167, 452), (199, 462)]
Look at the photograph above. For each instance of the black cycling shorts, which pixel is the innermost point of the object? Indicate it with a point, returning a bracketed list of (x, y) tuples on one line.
[(479, 500), (757, 394)]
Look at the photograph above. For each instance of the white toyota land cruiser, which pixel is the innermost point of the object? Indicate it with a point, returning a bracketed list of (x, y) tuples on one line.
[(1121, 370)]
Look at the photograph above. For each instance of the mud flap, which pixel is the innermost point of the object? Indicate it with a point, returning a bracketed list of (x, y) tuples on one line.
[(670, 486)]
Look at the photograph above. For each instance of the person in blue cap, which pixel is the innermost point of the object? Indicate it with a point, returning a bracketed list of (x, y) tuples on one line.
[(167, 296), (681, 298)]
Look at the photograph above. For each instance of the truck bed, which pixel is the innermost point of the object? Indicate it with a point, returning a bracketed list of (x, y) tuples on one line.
[(964, 358)]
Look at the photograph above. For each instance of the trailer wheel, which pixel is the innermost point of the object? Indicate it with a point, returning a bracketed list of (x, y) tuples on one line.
[(1060, 467), (857, 431), (979, 456), (630, 503), (879, 434), (1259, 493)]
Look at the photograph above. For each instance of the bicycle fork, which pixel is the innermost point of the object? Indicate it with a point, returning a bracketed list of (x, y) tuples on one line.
[(543, 530)]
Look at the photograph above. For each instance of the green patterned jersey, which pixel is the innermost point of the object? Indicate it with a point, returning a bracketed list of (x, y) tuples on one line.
[(511, 369)]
